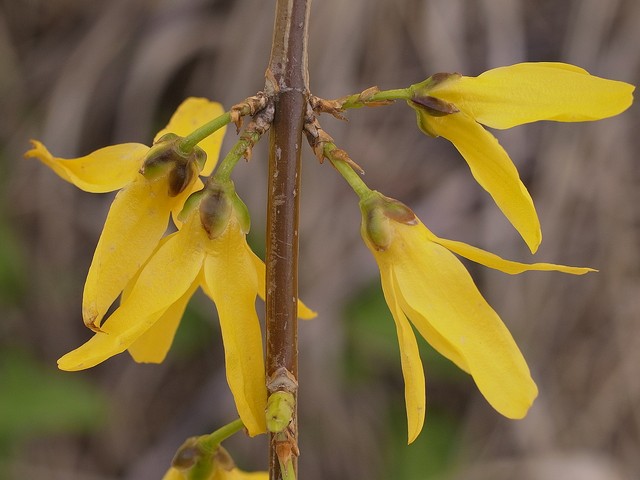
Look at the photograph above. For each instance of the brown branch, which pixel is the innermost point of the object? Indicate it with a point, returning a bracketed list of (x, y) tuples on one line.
[(287, 81)]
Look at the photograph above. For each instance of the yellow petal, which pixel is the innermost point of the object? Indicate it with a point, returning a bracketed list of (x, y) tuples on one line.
[(231, 281), (192, 114), (237, 474), (412, 371), (304, 312), (434, 283), (528, 92), (153, 345), (170, 273), (174, 474), (493, 170), (181, 199), (104, 170), (492, 260), (137, 219), (435, 339)]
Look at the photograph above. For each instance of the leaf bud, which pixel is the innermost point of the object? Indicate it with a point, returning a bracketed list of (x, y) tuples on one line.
[(280, 409)]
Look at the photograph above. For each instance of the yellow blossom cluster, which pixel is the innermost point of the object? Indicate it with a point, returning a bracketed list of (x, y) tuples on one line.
[(157, 274), (424, 283)]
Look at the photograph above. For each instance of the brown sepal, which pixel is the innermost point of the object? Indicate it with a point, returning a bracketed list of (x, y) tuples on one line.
[(435, 106)]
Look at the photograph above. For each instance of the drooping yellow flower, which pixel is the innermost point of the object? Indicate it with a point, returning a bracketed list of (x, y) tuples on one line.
[(424, 281), (453, 106), (154, 182), (193, 461), (210, 250)]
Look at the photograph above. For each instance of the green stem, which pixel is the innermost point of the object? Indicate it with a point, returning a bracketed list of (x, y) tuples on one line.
[(347, 172), (204, 131), (213, 440), (239, 150), (356, 100)]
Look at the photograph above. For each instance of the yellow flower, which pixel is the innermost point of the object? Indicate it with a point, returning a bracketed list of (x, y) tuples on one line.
[(210, 250), (424, 281), (218, 474), (454, 106), (154, 181), (193, 461)]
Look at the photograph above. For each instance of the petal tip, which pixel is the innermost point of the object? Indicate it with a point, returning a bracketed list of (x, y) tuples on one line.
[(38, 150), (534, 241)]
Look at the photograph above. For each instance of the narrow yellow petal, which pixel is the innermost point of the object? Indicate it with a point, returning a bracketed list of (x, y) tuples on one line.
[(170, 273), (102, 345), (492, 260), (153, 345), (192, 114), (528, 92), (434, 283), (104, 170), (412, 371), (231, 280), (493, 170), (137, 219), (304, 312)]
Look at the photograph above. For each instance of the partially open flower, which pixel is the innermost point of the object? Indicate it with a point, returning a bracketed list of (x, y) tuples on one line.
[(424, 281), (209, 251), (454, 107), (153, 182)]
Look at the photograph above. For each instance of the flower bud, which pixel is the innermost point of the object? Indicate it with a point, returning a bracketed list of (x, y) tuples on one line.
[(378, 213), (165, 158)]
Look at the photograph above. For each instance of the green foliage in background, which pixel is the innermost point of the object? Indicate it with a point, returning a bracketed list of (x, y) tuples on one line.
[(37, 401)]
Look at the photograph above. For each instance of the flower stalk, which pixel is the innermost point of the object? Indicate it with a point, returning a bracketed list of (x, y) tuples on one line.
[(195, 137), (340, 160)]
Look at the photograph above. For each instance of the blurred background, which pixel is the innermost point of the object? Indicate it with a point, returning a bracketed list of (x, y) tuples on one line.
[(80, 75)]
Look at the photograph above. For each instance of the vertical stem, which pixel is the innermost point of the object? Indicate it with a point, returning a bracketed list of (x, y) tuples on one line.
[(289, 78)]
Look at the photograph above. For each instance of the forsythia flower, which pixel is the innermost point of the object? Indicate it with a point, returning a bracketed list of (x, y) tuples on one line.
[(423, 280), (455, 106), (154, 182), (218, 473), (210, 250), (193, 462)]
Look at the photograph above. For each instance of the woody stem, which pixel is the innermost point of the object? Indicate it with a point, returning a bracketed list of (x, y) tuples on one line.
[(287, 77)]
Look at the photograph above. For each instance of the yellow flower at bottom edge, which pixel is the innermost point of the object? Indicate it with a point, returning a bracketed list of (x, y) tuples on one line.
[(194, 462), (154, 181), (209, 251), (218, 474), (424, 281), (455, 107)]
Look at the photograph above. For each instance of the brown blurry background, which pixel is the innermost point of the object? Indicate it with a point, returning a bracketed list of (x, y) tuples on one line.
[(80, 75)]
